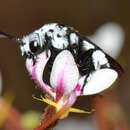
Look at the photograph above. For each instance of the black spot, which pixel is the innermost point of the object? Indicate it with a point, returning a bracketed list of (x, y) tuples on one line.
[(51, 30), (33, 48), (61, 26), (58, 35)]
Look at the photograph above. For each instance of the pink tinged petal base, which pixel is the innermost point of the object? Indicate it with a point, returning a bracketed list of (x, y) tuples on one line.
[(78, 90), (67, 103), (72, 99), (37, 71), (99, 81), (65, 74)]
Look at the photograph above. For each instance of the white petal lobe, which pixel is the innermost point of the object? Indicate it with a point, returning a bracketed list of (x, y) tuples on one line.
[(65, 69), (100, 80), (110, 37)]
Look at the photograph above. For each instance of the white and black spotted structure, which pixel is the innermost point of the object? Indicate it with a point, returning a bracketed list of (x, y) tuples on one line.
[(92, 62)]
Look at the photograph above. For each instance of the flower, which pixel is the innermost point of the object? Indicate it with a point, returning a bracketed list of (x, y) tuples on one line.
[(64, 77), (110, 37), (65, 81)]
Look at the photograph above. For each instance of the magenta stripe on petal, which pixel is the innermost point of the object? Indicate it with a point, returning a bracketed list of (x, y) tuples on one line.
[(78, 90), (64, 74), (60, 88), (37, 71)]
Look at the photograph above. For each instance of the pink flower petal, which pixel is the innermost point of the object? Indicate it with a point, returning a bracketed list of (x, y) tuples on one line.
[(65, 74), (68, 100), (37, 71), (78, 90)]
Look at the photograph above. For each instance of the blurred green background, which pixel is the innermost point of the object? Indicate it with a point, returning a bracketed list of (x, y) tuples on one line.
[(20, 17)]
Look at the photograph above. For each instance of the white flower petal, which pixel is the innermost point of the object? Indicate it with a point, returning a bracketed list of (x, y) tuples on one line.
[(98, 81), (65, 74), (110, 37), (37, 71)]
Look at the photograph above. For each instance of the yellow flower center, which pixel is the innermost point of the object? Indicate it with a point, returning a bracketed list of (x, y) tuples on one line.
[(58, 107)]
